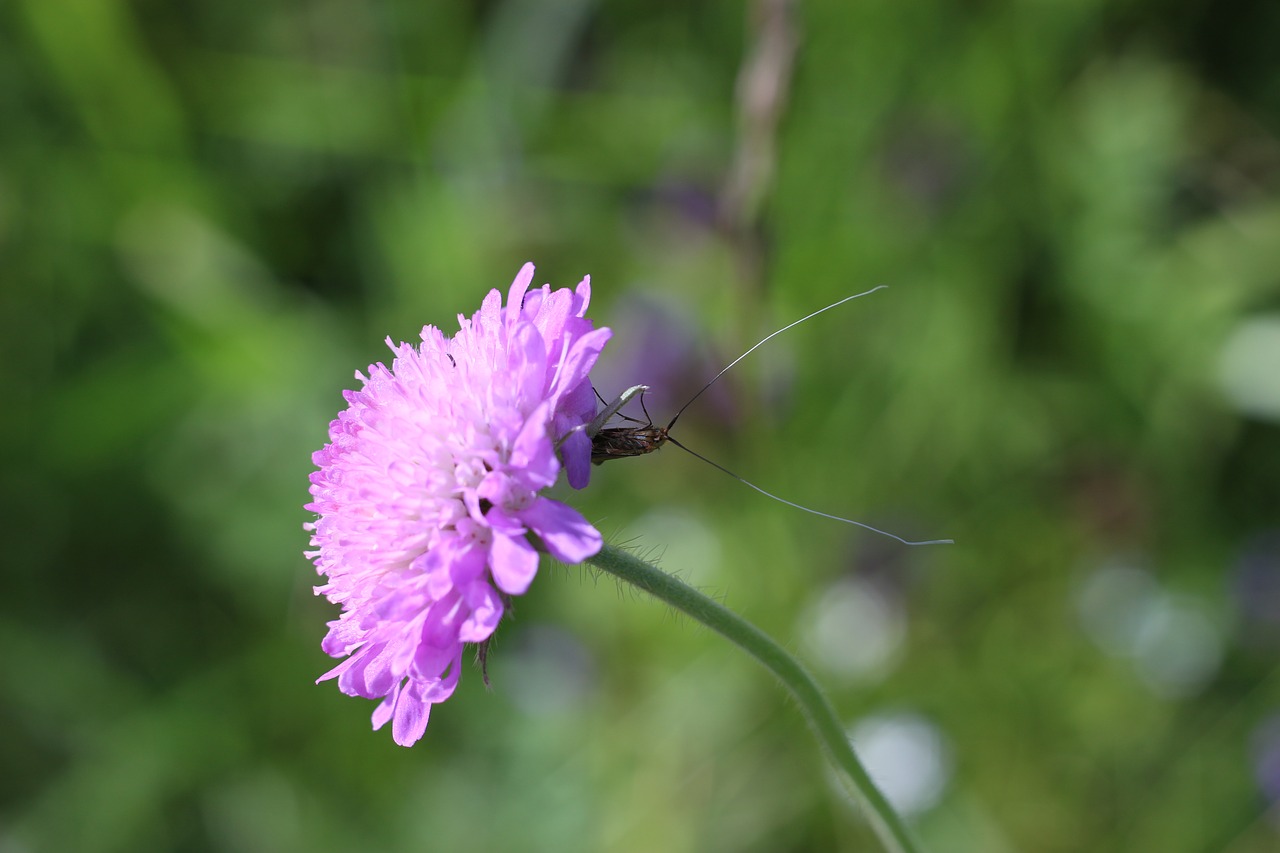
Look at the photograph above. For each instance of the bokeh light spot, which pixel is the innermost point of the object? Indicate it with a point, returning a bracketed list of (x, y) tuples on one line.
[(907, 757), (853, 630)]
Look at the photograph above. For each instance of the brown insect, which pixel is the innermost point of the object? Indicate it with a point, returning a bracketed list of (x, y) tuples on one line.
[(621, 442), (609, 443)]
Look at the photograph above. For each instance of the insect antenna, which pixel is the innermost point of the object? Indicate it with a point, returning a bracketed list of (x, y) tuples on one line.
[(761, 343), (668, 437), (609, 443), (752, 485)]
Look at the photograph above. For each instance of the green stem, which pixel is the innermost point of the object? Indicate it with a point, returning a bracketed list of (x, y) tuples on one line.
[(817, 708)]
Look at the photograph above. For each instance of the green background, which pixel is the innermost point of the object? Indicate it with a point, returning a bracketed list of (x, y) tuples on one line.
[(211, 214)]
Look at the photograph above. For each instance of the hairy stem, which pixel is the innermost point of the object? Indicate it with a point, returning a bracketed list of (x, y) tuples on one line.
[(817, 708)]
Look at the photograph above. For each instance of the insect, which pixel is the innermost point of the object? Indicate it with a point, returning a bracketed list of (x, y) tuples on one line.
[(620, 442), (609, 443)]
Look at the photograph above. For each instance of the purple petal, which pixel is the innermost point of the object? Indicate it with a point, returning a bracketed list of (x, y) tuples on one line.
[(533, 300), (486, 612), (497, 488), (515, 298), (343, 638), (583, 293), (527, 362), (453, 561), (439, 631), (567, 535), (440, 689), (552, 315), (578, 406), (337, 670), (372, 675), (575, 367), (490, 311), (430, 662), (382, 713), (411, 713), (576, 452), (468, 563), (502, 522), (533, 455), (513, 563), (428, 485)]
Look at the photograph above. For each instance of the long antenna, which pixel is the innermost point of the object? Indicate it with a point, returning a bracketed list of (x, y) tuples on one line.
[(756, 347), (805, 508)]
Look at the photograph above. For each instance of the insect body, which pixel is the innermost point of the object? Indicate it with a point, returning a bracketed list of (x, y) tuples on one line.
[(621, 442), (609, 443)]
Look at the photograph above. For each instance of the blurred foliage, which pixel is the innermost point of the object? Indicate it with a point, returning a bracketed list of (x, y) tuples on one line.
[(211, 214)]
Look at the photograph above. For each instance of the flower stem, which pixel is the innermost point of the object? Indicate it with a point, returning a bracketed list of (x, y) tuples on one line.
[(817, 708)]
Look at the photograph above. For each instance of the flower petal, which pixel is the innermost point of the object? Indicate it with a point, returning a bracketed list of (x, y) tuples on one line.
[(515, 297), (583, 294), (576, 452), (553, 312), (386, 708), (578, 363), (567, 535), (486, 612), (533, 455), (430, 483), (513, 563), (411, 714)]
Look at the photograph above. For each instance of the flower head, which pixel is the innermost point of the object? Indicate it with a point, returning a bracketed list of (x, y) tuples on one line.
[(428, 492)]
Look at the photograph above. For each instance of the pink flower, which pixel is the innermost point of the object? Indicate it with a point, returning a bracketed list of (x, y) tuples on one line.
[(428, 492)]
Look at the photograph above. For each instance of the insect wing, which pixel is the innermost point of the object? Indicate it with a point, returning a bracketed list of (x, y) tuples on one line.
[(622, 442)]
